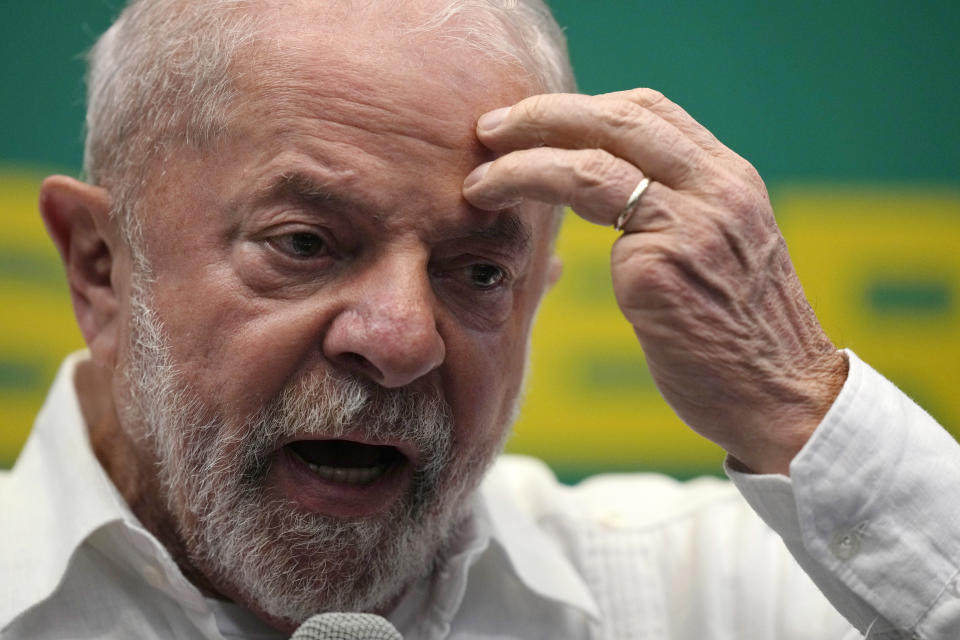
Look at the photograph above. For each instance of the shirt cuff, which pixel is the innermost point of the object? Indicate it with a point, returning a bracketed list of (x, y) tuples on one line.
[(870, 510)]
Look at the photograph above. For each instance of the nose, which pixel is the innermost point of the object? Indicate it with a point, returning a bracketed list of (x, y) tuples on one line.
[(388, 332)]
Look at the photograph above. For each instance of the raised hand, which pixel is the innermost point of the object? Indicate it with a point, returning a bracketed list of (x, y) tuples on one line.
[(701, 270)]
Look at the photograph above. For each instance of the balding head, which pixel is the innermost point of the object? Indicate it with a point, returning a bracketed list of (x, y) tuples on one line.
[(166, 72)]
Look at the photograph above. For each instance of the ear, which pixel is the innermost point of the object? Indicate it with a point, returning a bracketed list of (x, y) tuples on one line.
[(77, 217)]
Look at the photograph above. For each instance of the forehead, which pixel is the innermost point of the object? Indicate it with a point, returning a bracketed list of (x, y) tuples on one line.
[(367, 99), (385, 58)]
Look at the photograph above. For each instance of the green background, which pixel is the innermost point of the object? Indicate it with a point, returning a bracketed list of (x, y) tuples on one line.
[(849, 110), (816, 90)]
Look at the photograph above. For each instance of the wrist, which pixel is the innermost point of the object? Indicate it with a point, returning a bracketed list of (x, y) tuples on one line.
[(771, 449)]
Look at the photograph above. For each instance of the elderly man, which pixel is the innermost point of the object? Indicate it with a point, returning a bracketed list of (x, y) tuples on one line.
[(306, 265)]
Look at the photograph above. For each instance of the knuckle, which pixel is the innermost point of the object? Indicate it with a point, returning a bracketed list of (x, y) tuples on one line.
[(741, 192), (658, 216), (736, 198), (654, 277), (754, 178), (597, 168), (623, 114), (749, 171), (536, 110), (741, 170), (646, 96), (689, 162), (652, 97)]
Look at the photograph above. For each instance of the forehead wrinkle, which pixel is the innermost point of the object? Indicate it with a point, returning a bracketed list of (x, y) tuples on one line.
[(344, 101), (316, 71)]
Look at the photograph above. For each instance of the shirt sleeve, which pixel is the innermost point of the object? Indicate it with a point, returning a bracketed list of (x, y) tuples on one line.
[(871, 511)]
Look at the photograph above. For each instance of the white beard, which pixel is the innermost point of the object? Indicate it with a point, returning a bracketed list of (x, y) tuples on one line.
[(278, 559)]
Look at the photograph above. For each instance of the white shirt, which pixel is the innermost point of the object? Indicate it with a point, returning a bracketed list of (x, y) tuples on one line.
[(870, 512)]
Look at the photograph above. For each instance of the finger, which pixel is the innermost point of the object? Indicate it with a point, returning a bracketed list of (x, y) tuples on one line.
[(596, 184), (674, 114), (619, 126)]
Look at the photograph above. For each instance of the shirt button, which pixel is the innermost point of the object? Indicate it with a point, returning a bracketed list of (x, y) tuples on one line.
[(153, 576), (846, 544), (612, 520), (954, 587)]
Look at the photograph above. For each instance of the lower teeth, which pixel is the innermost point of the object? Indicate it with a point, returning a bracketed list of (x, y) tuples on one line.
[(347, 475)]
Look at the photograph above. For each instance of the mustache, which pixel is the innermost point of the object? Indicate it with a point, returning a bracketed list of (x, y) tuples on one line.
[(332, 405)]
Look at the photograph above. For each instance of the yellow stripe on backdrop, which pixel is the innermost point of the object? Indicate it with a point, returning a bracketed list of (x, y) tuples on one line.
[(36, 322), (881, 268)]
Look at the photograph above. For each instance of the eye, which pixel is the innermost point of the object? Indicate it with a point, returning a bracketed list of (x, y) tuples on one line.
[(485, 275), (301, 244)]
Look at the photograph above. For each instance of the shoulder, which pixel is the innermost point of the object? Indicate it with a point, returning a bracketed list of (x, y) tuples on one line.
[(654, 550), (620, 501)]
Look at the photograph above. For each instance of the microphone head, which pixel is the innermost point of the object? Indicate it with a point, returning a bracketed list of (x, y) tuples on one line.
[(346, 626)]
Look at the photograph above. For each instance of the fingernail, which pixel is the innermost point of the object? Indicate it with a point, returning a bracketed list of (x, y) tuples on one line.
[(476, 175), (492, 119)]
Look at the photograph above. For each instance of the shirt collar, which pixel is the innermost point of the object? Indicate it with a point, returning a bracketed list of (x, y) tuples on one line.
[(57, 462), (79, 504)]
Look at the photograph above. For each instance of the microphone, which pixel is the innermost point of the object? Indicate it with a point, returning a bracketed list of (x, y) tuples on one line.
[(346, 626)]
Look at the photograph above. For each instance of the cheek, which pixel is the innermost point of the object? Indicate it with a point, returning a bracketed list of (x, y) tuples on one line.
[(237, 353), (483, 377)]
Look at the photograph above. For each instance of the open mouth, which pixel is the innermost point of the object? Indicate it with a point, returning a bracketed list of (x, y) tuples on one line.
[(344, 478), (345, 461)]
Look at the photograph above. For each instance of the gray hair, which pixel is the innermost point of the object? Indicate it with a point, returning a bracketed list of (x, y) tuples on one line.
[(164, 72)]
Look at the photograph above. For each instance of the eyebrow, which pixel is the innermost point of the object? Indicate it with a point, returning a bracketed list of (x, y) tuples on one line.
[(507, 228), (301, 188)]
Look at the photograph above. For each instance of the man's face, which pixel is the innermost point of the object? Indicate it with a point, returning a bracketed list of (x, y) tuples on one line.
[(322, 256)]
